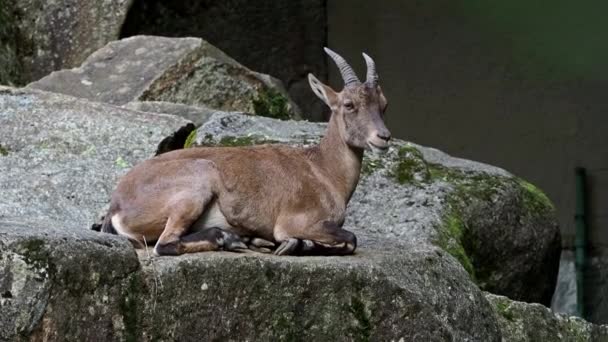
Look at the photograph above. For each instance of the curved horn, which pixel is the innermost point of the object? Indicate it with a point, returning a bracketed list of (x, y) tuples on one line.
[(348, 74), (372, 75)]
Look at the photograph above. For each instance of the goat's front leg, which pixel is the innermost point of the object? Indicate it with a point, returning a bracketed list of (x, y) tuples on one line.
[(322, 238)]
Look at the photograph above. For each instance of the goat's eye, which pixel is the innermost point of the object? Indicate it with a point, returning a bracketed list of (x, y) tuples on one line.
[(349, 106)]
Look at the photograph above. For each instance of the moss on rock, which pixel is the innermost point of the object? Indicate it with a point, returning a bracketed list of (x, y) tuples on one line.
[(271, 103), (233, 141), (534, 199), (410, 166), (450, 239)]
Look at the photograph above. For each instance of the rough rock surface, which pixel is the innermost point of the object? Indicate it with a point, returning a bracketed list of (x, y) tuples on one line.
[(287, 47), (43, 36), (197, 114), (501, 228), (523, 322), (59, 281), (63, 155), (50, 292), (181, 70), (564, 298), (596, 282)]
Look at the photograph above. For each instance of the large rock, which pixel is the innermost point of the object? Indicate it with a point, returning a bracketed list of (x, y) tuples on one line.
[(188, 71), (501, 228), (284, 39), (523, 322), (63, 155), (42, 36), (565, 297), (71, 284), (596, 286), (61, 158)]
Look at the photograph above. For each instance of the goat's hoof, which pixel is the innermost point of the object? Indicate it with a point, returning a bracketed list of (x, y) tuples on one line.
[(259, 242), (288, 247), (262, 250)]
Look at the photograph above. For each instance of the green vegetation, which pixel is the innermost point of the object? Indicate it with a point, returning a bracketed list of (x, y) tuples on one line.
[(121, 163), (411, 168), (190, 139), (450, 239), (534, 199), (3, 150), (503, 308), (369, 165), (231, 141), (270, 103)]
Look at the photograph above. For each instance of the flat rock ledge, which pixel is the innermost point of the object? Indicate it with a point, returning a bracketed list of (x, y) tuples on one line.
[(62, 284)]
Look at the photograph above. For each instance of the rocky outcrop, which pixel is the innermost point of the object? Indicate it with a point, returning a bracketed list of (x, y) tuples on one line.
[(413, 278), (501, 228), (523, 322), (63, 154), (596, 287), (187, 71), (42, 36), (197, 114), (284, 39)]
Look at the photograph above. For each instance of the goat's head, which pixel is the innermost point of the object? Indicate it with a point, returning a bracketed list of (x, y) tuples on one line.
[(358, 108)]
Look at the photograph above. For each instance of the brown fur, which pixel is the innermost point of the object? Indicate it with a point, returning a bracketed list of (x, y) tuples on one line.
[(276, 192)]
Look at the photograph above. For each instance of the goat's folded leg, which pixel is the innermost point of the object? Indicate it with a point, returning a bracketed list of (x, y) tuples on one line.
[(260, 245), (288, 247), (323, 238)]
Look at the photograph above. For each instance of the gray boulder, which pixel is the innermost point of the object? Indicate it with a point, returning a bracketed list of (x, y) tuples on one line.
[(596, 287), (283, 39), (61, 283), (188, 71), (63, 155), (42, 36), (523, 322), (501, 228), (197, 114)]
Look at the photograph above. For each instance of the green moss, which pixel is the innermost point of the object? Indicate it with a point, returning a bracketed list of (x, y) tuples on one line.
[(190, 139), (362, 331), (370, 166), (121, 163), (271, 103), (410, 168), (450, 239), (231, 141), (534, 199), (3, 151), (503, 308)]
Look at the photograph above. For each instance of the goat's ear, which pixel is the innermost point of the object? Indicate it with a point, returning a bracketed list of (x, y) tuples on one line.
[(324, 92)]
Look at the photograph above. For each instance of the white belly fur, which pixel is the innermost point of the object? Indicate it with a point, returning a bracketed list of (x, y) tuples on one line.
[(212, 217)]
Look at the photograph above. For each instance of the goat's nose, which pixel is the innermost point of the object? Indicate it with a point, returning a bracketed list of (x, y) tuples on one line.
[(386, 136)]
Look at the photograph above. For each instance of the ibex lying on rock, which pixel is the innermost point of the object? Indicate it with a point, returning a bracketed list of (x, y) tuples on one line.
[(207, 198)]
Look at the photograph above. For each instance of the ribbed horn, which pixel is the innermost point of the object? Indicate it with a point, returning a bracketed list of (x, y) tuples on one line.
[(348, 74), (372, 75)]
